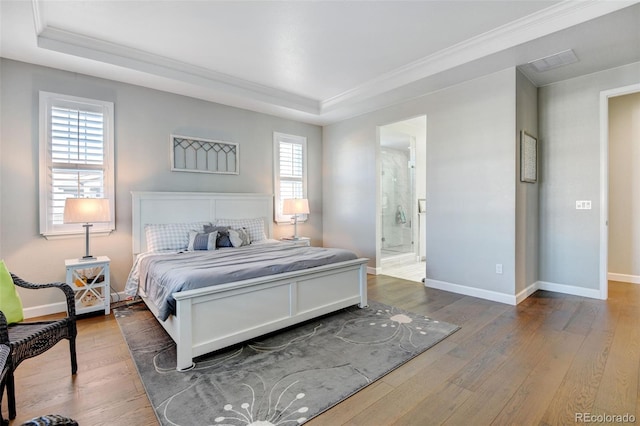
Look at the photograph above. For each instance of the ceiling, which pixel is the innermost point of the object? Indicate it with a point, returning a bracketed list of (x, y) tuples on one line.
[(316, 61)]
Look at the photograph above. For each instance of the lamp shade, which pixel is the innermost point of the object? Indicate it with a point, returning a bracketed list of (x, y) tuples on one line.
[(295, 206), (86, 210)]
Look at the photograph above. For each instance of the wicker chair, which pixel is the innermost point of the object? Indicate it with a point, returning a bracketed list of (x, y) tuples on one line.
[(4, 368), (29, 339)]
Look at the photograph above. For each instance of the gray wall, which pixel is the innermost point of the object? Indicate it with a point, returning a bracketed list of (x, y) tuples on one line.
[(569, 126), (470, 186), (624, 186), (526, 193), (144, 119)]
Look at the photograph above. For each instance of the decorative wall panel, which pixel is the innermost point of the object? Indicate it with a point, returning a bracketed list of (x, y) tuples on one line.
[(203, 155)]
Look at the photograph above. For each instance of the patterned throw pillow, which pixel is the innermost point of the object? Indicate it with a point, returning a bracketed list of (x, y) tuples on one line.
[(223, 235), (239, 237), (170, 236), (202, 240), (255, 227)]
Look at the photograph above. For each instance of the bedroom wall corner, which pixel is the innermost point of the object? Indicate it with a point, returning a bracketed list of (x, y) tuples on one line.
[(569, 126), (470, 184), (527, 204)]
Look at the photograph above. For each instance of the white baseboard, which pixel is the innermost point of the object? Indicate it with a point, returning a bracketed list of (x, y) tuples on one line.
[(374, 271), (569, 289), (472, 291), (526, 292), (633, 279), (39, 311), (511, 299), (54, 308)]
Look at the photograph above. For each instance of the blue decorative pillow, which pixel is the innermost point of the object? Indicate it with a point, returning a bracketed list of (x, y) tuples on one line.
[(223, 235), (202, 240)]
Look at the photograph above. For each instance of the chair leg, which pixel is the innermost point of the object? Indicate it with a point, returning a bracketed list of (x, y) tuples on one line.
[(11, 395), (74, 359), (3, 421)]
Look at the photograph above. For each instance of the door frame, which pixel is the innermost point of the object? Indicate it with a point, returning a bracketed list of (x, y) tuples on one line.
[(604, 181)]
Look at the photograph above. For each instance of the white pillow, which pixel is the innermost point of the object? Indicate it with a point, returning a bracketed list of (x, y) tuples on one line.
[(170, 236), (239, 237), (255, 227)]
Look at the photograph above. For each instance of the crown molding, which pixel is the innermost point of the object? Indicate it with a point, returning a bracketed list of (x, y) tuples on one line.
[(59, 40), (554, 18)]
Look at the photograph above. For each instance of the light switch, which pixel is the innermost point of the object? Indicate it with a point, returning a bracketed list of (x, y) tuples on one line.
[(583, 205)]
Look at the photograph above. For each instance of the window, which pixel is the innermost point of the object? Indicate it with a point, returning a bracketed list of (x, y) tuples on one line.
[(76, 158), (290, 171)]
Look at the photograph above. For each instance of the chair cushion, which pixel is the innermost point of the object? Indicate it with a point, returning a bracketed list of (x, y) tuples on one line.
[(10, 303)]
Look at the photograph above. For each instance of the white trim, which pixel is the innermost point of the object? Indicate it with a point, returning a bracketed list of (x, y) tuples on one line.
[(495, 296), (279, 137), (58, 307), (604, 182), (544, 22), (83, 46), (557, 17), (511, 299), (526, 293), (46, 101), (591, 293), (373, 270), (41, 310), (633, 279)]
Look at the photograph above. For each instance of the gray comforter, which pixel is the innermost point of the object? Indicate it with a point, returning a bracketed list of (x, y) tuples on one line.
[(162, 274)]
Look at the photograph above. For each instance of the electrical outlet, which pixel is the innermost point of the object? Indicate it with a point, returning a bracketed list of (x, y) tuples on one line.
[(498, 268)]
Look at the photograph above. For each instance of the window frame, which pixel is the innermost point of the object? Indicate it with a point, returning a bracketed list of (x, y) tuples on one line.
[(278, 138), (48, 100)]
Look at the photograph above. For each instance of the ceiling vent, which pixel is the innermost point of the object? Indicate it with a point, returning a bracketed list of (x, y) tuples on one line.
[(556, 60)]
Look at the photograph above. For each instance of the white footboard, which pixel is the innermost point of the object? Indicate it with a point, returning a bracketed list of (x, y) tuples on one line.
[(213, 318)]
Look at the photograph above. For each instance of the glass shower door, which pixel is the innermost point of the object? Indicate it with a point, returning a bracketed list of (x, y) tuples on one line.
[(396, 202)]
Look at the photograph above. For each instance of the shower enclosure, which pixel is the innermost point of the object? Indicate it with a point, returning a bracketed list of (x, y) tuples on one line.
[(397, 200)]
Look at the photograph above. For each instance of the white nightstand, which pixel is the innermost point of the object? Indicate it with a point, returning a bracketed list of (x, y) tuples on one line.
[(301, 241), (90, 280)]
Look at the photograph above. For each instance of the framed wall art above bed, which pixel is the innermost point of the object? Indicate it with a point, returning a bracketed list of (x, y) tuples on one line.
[(200, 155)]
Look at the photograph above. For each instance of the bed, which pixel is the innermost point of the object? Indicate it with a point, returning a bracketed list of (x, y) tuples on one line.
[(210, 318)]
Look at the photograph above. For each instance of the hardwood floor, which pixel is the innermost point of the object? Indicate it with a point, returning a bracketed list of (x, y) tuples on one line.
[(538, 363)]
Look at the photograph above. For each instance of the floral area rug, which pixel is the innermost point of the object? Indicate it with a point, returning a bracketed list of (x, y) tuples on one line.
[(284, 378)]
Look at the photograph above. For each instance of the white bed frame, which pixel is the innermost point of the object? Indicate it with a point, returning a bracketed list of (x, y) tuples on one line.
[(215, 317)]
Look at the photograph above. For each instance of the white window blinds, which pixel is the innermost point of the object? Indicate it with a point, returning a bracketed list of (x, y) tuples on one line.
[(76, 156), (291, 176), (290, 170)]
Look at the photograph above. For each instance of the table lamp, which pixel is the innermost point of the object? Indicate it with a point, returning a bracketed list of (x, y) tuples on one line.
[(86, 211), (295, 206)]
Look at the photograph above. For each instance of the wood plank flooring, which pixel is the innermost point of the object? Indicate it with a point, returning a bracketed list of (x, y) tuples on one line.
[(538, 363)]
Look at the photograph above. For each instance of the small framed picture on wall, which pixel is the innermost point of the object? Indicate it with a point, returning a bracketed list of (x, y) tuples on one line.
[(528, 158)]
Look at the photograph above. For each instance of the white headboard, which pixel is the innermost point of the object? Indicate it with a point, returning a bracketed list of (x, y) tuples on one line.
[(180, 207)]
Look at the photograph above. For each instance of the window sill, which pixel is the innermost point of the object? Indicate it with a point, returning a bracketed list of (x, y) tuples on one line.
[(74, 234)]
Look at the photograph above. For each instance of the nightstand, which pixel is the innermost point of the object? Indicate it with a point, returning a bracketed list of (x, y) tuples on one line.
[(301, 241), (90, 280)]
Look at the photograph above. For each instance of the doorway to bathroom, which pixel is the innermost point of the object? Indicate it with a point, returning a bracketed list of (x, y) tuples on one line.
[(402, 187)]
